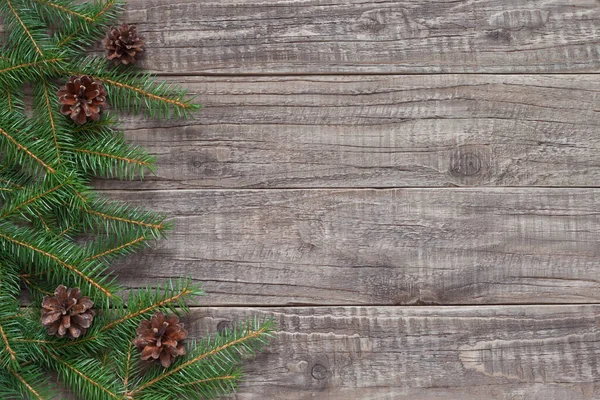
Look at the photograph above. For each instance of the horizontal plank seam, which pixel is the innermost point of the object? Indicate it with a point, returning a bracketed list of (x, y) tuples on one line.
[(388, 306), (357, 188), (313, 74)]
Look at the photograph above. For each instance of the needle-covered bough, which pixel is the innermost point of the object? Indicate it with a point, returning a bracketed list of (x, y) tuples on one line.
[(58, 238)]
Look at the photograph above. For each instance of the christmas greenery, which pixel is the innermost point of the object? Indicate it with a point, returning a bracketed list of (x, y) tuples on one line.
[(56, 233)]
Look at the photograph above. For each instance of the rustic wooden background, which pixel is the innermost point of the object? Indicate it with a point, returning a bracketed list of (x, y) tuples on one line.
[(410, 188)]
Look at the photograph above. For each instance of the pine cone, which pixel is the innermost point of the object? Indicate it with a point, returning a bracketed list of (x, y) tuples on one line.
[(123, 44), (160, 339), (67, 313), (82, 98)]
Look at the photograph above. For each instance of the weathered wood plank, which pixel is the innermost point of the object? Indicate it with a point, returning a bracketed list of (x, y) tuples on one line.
[(400, 246), (383, 131), (420, 353), (328, 36), (423, 353)]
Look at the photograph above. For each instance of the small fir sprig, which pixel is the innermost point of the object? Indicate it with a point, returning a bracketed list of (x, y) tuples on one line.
[(56, 233)]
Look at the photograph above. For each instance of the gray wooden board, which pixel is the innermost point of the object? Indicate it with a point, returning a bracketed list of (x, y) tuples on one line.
[(396, 246), (356, 36), (422, 353), (378, 131), (419, 353)]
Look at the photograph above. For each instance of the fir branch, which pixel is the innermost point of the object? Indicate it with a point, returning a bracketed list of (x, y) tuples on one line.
[(33, 65), (127, 369), (40, 250), (89, 372), (116, 249), (126, 220), (106, 153), (50, 111), (25, 150), (45, 195), (120, 219), (136, 92), (29, 387), (9, 349), (42, 220), (142, 303), (65, 9), (107, 12), (32, 285), (25, 29), (9, 99), (184, 293), (248, 335)]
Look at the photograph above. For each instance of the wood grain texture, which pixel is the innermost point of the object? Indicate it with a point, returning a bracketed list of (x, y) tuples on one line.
[(383, 131), (355, 36), (401, 246), (418, 353), (422, 353)]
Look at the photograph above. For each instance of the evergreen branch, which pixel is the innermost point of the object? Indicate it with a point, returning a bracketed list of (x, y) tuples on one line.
[(35, 64), (67, 229), (40, 341), (69, 267), (116, 249), (127, 367), (126, 220), (42, 220), (95, 19), (36, 287), (10, 175), (9, 99), (146, 310), (135, 91), (26, 384), (107, 155), (27, 32), (13, 208), (146, 93), (65, 9), (173, 295), (249, 335), (51, 118), (11, 352), (85, 377), (26, 151)]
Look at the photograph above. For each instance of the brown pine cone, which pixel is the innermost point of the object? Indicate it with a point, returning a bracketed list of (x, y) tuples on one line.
[(67, 313), (160, 339), (82, 98), (123, 44)]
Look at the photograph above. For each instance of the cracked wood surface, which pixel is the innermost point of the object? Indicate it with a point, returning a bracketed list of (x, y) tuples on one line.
[(356, 36), (384, 131), (387, 246)]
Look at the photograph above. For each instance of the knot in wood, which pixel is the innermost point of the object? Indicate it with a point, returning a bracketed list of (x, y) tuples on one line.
[(319, 372), (467, 164), (224, 326)]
